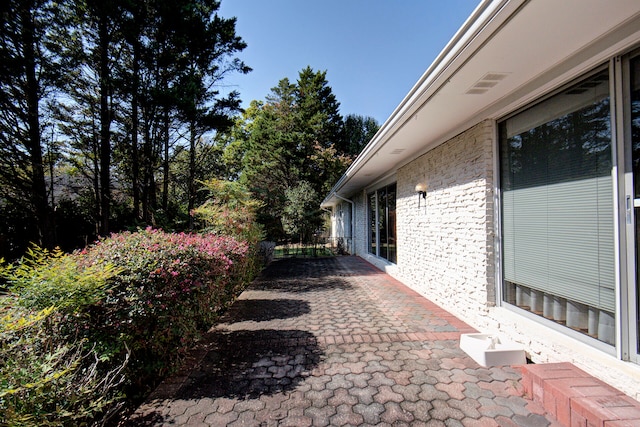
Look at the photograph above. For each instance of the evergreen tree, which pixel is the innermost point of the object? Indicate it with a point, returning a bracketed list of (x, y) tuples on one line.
[(270, 162), (301, 216), (30, 72), (210, 43), (128, 84), (358, 131), (296, 137)]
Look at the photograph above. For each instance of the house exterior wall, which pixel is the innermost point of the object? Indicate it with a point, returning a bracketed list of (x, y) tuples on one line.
[(335, 228), (340, 221), (360, 203), (341, 230), (445, 246), (447, 252)]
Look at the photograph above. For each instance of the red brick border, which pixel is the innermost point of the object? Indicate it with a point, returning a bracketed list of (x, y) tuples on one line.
[(377, 338), (577, 399)]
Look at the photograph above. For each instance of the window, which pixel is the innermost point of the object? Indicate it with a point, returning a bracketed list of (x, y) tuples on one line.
[(557, 209), (373, 228), (382, 223), (634, 112)]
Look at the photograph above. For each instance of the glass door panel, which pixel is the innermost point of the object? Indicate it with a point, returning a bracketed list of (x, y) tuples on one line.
[(391, 198), (635, 147), (382, 223)]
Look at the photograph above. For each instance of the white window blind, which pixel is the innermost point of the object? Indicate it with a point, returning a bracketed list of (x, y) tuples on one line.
[(557, 196)]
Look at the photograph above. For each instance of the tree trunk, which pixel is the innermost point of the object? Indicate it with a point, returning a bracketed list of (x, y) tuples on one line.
[(95, 180), (105, 126), (33, 142), (52, 197), (165, 168), (148, 182), (192, 173), (135, 163)]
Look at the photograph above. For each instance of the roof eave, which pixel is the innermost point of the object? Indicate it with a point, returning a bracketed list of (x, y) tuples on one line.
[(446, 63)]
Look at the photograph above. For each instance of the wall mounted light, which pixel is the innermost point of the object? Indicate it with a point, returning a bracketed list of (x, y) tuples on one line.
[(421, 189)]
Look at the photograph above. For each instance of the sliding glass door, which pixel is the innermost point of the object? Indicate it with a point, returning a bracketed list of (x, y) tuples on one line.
[(570, 193), (382, 222), (632, 199)]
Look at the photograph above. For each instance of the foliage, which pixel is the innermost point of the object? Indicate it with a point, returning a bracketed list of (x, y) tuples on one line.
[(284, 136), (82, 331), (301, 218), (230, 210), (54, 279), (49, 375), (98, 99), (358, 131), (296, 135), (16, 229), (112, 112), (170, 287), (207, 166), (28, 75), (332, 163)]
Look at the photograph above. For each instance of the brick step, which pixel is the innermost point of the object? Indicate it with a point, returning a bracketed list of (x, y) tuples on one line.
[(576, 399)]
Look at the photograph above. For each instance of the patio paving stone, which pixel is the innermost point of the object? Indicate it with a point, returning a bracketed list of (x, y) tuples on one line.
[(335, 341)]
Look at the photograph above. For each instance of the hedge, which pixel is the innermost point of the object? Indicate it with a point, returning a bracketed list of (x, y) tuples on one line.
[(81, 334)]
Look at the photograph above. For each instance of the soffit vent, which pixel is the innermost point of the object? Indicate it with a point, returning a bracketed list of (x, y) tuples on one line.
[(397, 151), (487, 81)]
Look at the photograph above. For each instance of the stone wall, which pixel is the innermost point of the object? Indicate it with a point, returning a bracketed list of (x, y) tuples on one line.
[(360, 203), (445, 245), (446, 252)]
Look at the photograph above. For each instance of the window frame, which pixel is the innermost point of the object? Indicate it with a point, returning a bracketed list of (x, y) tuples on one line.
[(500, 258), (378, 221)]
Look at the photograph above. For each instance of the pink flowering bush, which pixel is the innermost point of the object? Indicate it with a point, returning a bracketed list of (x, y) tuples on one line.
[(82, 332), (170, 288)]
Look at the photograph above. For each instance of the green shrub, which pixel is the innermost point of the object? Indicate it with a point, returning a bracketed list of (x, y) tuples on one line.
[(230, 210), (169, 289), (52, 278), (47, 380), (82, 332)]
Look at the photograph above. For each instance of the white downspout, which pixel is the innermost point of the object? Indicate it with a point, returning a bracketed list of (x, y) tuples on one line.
[(353, 223)]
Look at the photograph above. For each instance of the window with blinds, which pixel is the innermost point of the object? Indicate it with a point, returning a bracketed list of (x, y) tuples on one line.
[(557, 208)]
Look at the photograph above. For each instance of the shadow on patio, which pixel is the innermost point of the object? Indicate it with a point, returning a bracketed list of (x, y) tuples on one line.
[(334, 341)]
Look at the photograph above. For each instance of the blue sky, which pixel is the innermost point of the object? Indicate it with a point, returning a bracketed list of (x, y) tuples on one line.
[(374, 51)]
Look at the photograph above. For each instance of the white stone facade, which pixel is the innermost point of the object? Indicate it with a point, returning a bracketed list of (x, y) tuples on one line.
[(445, 246), (447, 252)]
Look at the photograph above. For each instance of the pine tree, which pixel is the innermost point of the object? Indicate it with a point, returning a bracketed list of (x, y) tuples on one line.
[(29, 74), (293, 138)]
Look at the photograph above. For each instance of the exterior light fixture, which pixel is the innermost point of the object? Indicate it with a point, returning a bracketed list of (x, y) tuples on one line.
[(421, 189)]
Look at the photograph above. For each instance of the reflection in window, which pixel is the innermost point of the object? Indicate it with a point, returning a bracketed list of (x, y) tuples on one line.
[(557, 209), (635, 143), (373, 235), (382, 223)]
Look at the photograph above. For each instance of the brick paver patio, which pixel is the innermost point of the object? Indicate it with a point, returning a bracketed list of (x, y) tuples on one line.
[(333, 342)]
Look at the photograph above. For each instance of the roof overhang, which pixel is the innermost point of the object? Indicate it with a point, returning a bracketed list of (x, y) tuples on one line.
[(506, 54)]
